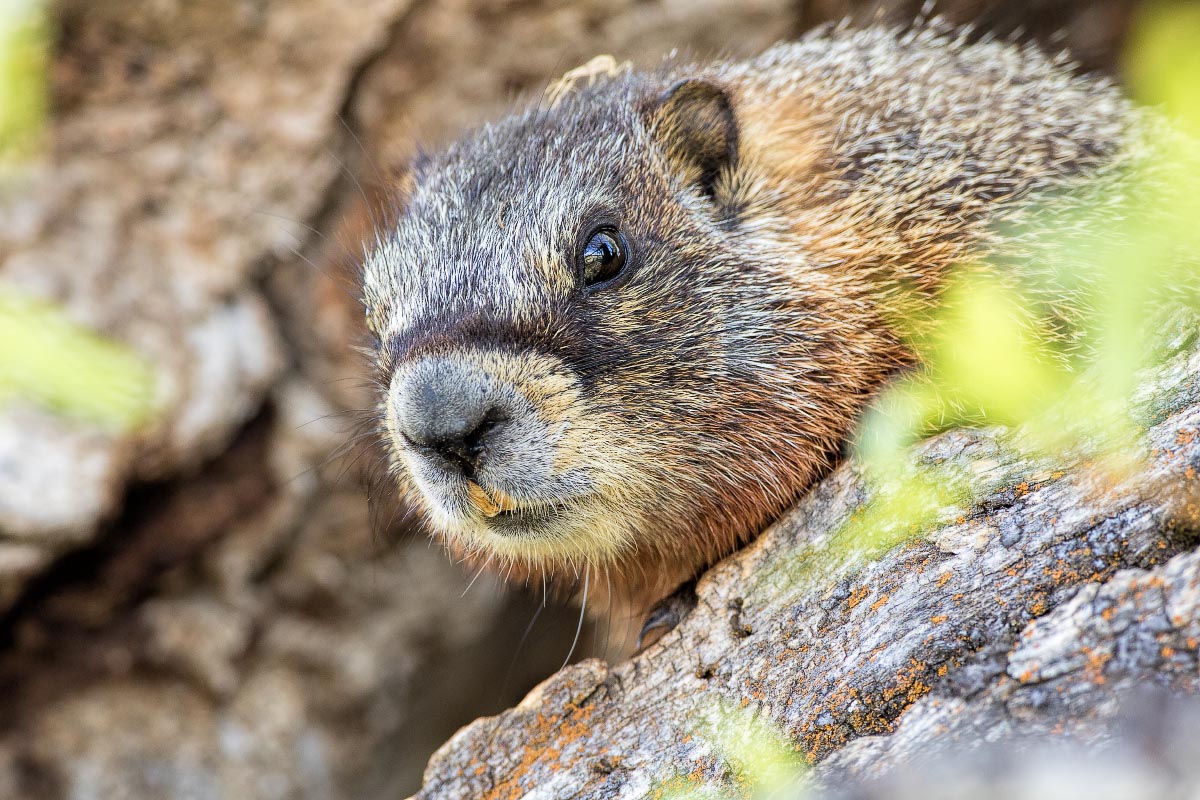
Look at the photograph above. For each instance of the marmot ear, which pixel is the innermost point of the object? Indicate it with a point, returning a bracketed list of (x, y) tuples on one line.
[(695, 123)]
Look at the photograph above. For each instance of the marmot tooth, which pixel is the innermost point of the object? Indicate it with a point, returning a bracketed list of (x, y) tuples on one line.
[(482, 500), (489, 504)]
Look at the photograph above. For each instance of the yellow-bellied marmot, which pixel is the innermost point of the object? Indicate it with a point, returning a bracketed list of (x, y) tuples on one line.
[(622, 330)]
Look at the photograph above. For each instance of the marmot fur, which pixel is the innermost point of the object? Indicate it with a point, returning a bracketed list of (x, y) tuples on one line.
[(622, 330)]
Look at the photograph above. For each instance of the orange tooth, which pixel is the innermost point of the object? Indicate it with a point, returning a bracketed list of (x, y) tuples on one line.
[(488, 505), (481, 500), (505, 502)]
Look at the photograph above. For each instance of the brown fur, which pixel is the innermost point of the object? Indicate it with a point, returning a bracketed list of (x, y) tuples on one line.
[(782, 206)]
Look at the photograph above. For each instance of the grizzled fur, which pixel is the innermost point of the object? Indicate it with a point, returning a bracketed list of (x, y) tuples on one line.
[(774, 209)]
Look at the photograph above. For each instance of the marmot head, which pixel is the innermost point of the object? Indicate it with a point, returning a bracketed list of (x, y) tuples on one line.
[(594, 352), (620, 333)]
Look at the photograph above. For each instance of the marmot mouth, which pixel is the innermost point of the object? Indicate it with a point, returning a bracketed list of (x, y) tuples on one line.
[(505, 514), (495, 503), (526, 521), (527, 515)]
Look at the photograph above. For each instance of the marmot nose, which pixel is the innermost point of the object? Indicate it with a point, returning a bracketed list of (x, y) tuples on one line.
[(448, 409)]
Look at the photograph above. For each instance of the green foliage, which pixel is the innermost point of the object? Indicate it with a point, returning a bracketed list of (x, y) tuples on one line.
[(764, 764), (24, 48), (1164, 60), (747, 746), (46, 358)]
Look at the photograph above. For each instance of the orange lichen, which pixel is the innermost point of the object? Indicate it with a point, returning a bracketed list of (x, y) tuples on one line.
[(674, 787), (1094, 666), (857, 596), (565, 729)]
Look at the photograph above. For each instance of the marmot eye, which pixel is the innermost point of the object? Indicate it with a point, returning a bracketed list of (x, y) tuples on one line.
[(602, 257)]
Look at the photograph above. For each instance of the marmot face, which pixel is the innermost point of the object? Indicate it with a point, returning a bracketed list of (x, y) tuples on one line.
[(588, 359)]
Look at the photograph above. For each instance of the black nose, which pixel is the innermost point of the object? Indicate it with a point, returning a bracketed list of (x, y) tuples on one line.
[(449, 410)]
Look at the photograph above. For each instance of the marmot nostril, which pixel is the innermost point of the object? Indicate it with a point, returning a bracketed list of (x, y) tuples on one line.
[(465, 451), (449, 408)]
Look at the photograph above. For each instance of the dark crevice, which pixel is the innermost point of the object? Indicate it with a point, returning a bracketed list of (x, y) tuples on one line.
[(67, 623)]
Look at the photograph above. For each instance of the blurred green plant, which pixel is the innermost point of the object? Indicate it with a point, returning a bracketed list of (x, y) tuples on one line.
[(24, 60), (1163, 60), (746, 745), (46, 358), (996, 355)]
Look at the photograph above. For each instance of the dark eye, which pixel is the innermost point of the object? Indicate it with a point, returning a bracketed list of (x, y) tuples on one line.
[(602, 257)]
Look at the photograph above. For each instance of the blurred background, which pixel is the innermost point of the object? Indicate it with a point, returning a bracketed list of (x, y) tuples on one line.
[(195, 597)]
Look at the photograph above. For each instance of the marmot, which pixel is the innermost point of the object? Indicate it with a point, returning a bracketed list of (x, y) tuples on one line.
[(621, 331)]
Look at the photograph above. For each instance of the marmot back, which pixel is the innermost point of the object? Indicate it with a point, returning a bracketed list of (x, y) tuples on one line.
[(622, 331)]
